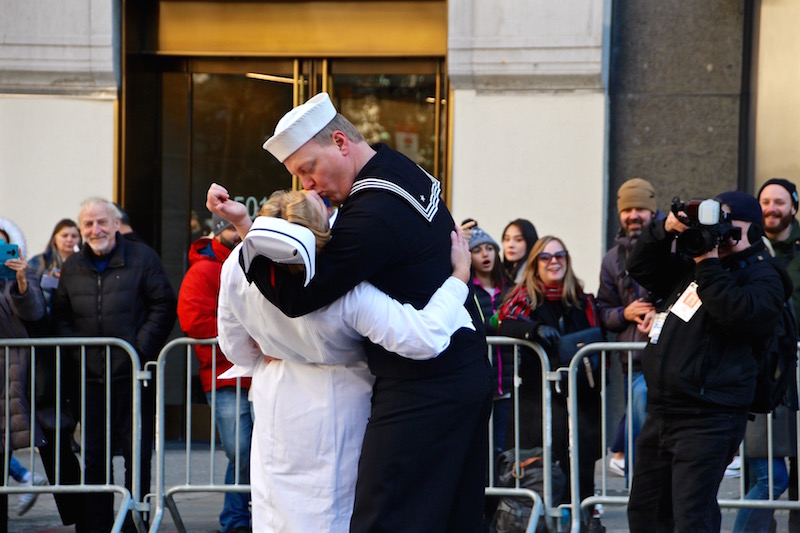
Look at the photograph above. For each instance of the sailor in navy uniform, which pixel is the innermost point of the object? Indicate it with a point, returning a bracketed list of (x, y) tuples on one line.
[(423, 463)]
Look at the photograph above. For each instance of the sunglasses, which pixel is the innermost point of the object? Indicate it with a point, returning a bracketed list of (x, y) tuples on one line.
[(560, 256)]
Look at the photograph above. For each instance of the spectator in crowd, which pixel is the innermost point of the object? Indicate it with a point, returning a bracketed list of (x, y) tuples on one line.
[(21, 303), (779, 204), (490, 287), (547, 303), (519, 236), (197, 313), (391, 229), (757, 459), (624, 306), (699, 363), (70, 505), (195, 227), (125, 227), (319, 389), (114, 287), (64, 241)]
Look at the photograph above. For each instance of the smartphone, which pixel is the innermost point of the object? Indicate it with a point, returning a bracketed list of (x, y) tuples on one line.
[(8, 251)]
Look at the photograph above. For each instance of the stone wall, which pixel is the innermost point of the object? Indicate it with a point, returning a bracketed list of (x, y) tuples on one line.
[(675, 95), (57, 47)]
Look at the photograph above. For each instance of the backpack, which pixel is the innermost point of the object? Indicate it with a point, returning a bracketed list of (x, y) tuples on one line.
[(777, 365), (512, 513)]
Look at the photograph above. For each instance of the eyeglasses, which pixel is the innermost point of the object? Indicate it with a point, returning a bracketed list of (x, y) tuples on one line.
[(560, 256)]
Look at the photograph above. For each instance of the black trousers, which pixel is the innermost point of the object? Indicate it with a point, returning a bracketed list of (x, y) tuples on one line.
[(100, 506), (71, 507), (680, 462), (423, 462)]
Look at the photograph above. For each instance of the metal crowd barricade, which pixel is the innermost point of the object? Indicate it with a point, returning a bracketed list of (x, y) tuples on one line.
[(165, 496), (771, 502), (575, 366), (603, 496), (130, 501), (541, 505)]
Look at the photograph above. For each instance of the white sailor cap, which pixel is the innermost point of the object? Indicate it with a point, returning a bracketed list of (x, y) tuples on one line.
[(282, 242), (299, 126)]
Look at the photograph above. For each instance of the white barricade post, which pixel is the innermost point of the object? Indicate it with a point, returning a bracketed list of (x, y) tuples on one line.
[(164, 496), (541, 505), (130, 500), (604, 494), (575, 366)]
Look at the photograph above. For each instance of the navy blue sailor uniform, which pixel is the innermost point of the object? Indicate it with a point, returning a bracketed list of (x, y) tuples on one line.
[(423, 461)]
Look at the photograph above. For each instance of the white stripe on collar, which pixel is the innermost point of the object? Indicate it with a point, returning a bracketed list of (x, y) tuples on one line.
[(427, 207)]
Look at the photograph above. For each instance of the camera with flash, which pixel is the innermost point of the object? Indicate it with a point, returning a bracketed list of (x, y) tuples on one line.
[(708, 226)]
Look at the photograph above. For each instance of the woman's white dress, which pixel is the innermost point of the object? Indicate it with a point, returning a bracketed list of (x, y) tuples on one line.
[(311, 407)]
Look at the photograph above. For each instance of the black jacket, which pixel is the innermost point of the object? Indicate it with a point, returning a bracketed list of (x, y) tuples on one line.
[(530, 391), (502, 356), (393, 231), (708, 363), (131, 299)]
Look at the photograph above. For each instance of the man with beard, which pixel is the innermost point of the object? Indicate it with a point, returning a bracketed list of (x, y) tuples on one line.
[(624, 305), (197, 313), (779, 201), (113, 287)]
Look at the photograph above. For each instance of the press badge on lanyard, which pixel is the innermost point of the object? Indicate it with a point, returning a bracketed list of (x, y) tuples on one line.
[(658, 325), (688, 303)]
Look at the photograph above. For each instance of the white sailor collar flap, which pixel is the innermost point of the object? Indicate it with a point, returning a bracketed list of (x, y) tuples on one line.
[(424, 198)]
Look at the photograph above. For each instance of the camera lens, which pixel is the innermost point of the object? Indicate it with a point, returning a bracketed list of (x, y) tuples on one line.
[(696, 241)]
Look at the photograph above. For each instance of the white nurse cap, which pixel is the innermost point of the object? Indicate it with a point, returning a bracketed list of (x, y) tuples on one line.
[(282, 242)]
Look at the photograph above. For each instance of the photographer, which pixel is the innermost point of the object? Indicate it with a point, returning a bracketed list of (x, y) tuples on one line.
[(700, 367)]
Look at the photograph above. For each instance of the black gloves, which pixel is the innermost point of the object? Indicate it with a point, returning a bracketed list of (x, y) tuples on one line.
[(548, 335)]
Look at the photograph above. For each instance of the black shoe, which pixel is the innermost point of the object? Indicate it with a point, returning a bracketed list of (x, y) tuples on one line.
[(595, 526)]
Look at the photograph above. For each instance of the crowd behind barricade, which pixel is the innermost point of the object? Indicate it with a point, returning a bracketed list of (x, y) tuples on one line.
[(400, 422)]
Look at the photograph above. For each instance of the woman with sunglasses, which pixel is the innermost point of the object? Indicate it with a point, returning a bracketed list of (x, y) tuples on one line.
[(547, 303)]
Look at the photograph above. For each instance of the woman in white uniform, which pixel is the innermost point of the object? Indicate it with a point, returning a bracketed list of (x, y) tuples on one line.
[(312, 401)]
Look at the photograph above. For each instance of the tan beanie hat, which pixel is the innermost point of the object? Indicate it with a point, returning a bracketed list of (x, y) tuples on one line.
[(637, 193)]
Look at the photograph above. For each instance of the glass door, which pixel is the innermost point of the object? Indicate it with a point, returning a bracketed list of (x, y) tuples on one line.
[(217, 114), (399, 103), (232, 114)]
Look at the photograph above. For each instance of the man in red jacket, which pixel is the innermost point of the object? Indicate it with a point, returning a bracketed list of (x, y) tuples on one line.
[(197, 312)]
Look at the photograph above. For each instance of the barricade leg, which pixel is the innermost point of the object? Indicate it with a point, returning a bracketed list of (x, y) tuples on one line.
[(230, 407), (231, 425), (173, 511)]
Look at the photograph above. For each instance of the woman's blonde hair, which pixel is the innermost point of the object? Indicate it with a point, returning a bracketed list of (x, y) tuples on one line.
[(572, 287), (294, 207)]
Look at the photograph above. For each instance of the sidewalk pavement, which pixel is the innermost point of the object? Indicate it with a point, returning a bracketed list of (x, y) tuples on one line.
[(200, 511)]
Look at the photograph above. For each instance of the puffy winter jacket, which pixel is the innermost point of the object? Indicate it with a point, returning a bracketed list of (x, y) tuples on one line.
[(502, 356), (14, 309), (131, 299), (708, 363), (617, 291), (197, 307)]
